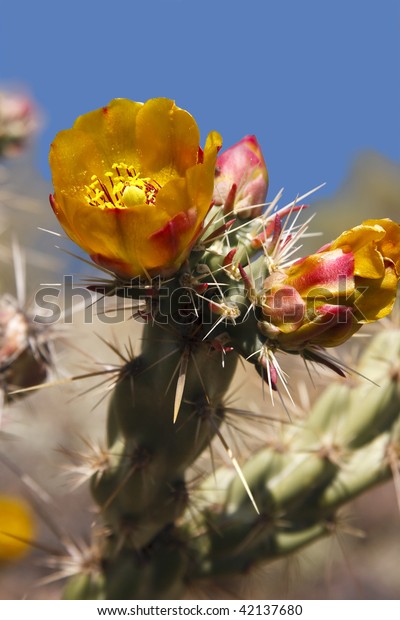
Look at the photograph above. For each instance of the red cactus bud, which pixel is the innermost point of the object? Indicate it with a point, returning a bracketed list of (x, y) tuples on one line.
[(241, 181)]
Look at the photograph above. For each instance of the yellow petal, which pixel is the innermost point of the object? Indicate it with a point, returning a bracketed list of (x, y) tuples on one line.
[(376, 297), (74, 158), (168, 139), (122, 235), (357, 237), (368, 262), (113, 129), (200, 179), (174, 197), (389, 245)]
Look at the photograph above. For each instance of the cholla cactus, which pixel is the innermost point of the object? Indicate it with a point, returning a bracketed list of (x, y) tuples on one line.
[(184, 234)]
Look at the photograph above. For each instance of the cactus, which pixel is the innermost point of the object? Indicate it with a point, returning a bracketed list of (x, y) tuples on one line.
[(215, 285), (338, 452), (342, 448)]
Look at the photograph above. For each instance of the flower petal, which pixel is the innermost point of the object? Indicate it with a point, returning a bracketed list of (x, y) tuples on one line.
[(168, 139), (74, 158), (389, 245), (359, 236), (368, 262), (113, 129), (376, 297), (200, 179)]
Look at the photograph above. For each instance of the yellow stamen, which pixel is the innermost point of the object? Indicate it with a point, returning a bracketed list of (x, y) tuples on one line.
[(122, 189)]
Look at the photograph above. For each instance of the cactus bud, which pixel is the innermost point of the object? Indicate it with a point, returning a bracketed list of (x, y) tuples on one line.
[(242, 178), (18, 121), (21, 365)]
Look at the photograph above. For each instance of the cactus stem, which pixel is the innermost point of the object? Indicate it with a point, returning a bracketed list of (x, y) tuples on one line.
[(209, 414), (139, 460), (156, 363)]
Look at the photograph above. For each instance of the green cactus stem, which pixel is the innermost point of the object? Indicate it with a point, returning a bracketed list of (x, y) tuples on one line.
[(342, 449)]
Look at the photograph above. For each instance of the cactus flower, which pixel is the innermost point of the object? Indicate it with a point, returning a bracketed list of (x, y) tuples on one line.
[(132, 185), (16, 528), (325, 298), (242, 178)]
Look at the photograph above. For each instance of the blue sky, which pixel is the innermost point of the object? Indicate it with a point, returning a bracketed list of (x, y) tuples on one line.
[(317, 82)]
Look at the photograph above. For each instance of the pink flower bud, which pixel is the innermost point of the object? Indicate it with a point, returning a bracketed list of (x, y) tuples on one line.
[(241, 180), (18, 121), (21, 364)]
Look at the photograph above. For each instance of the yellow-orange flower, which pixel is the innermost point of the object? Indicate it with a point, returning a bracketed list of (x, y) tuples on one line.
[(16, 528), (132, 185), (324, 298)]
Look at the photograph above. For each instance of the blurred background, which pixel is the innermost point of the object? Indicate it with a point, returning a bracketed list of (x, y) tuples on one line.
[(318, 83)]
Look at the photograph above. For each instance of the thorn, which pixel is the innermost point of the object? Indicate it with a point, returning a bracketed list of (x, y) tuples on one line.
[(229, 258), (326, 359), (315, 357), (277, 229), (230, 200), (218, 232), (20, 272), (236, 466), (51, 232), (180, 384), (248, 284)]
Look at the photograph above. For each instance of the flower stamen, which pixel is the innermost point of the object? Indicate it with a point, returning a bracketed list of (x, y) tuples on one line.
[(124, 188)]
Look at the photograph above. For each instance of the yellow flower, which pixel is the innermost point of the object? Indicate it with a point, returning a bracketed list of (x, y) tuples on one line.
[(324, 298), (16, 528), (132, 185)]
